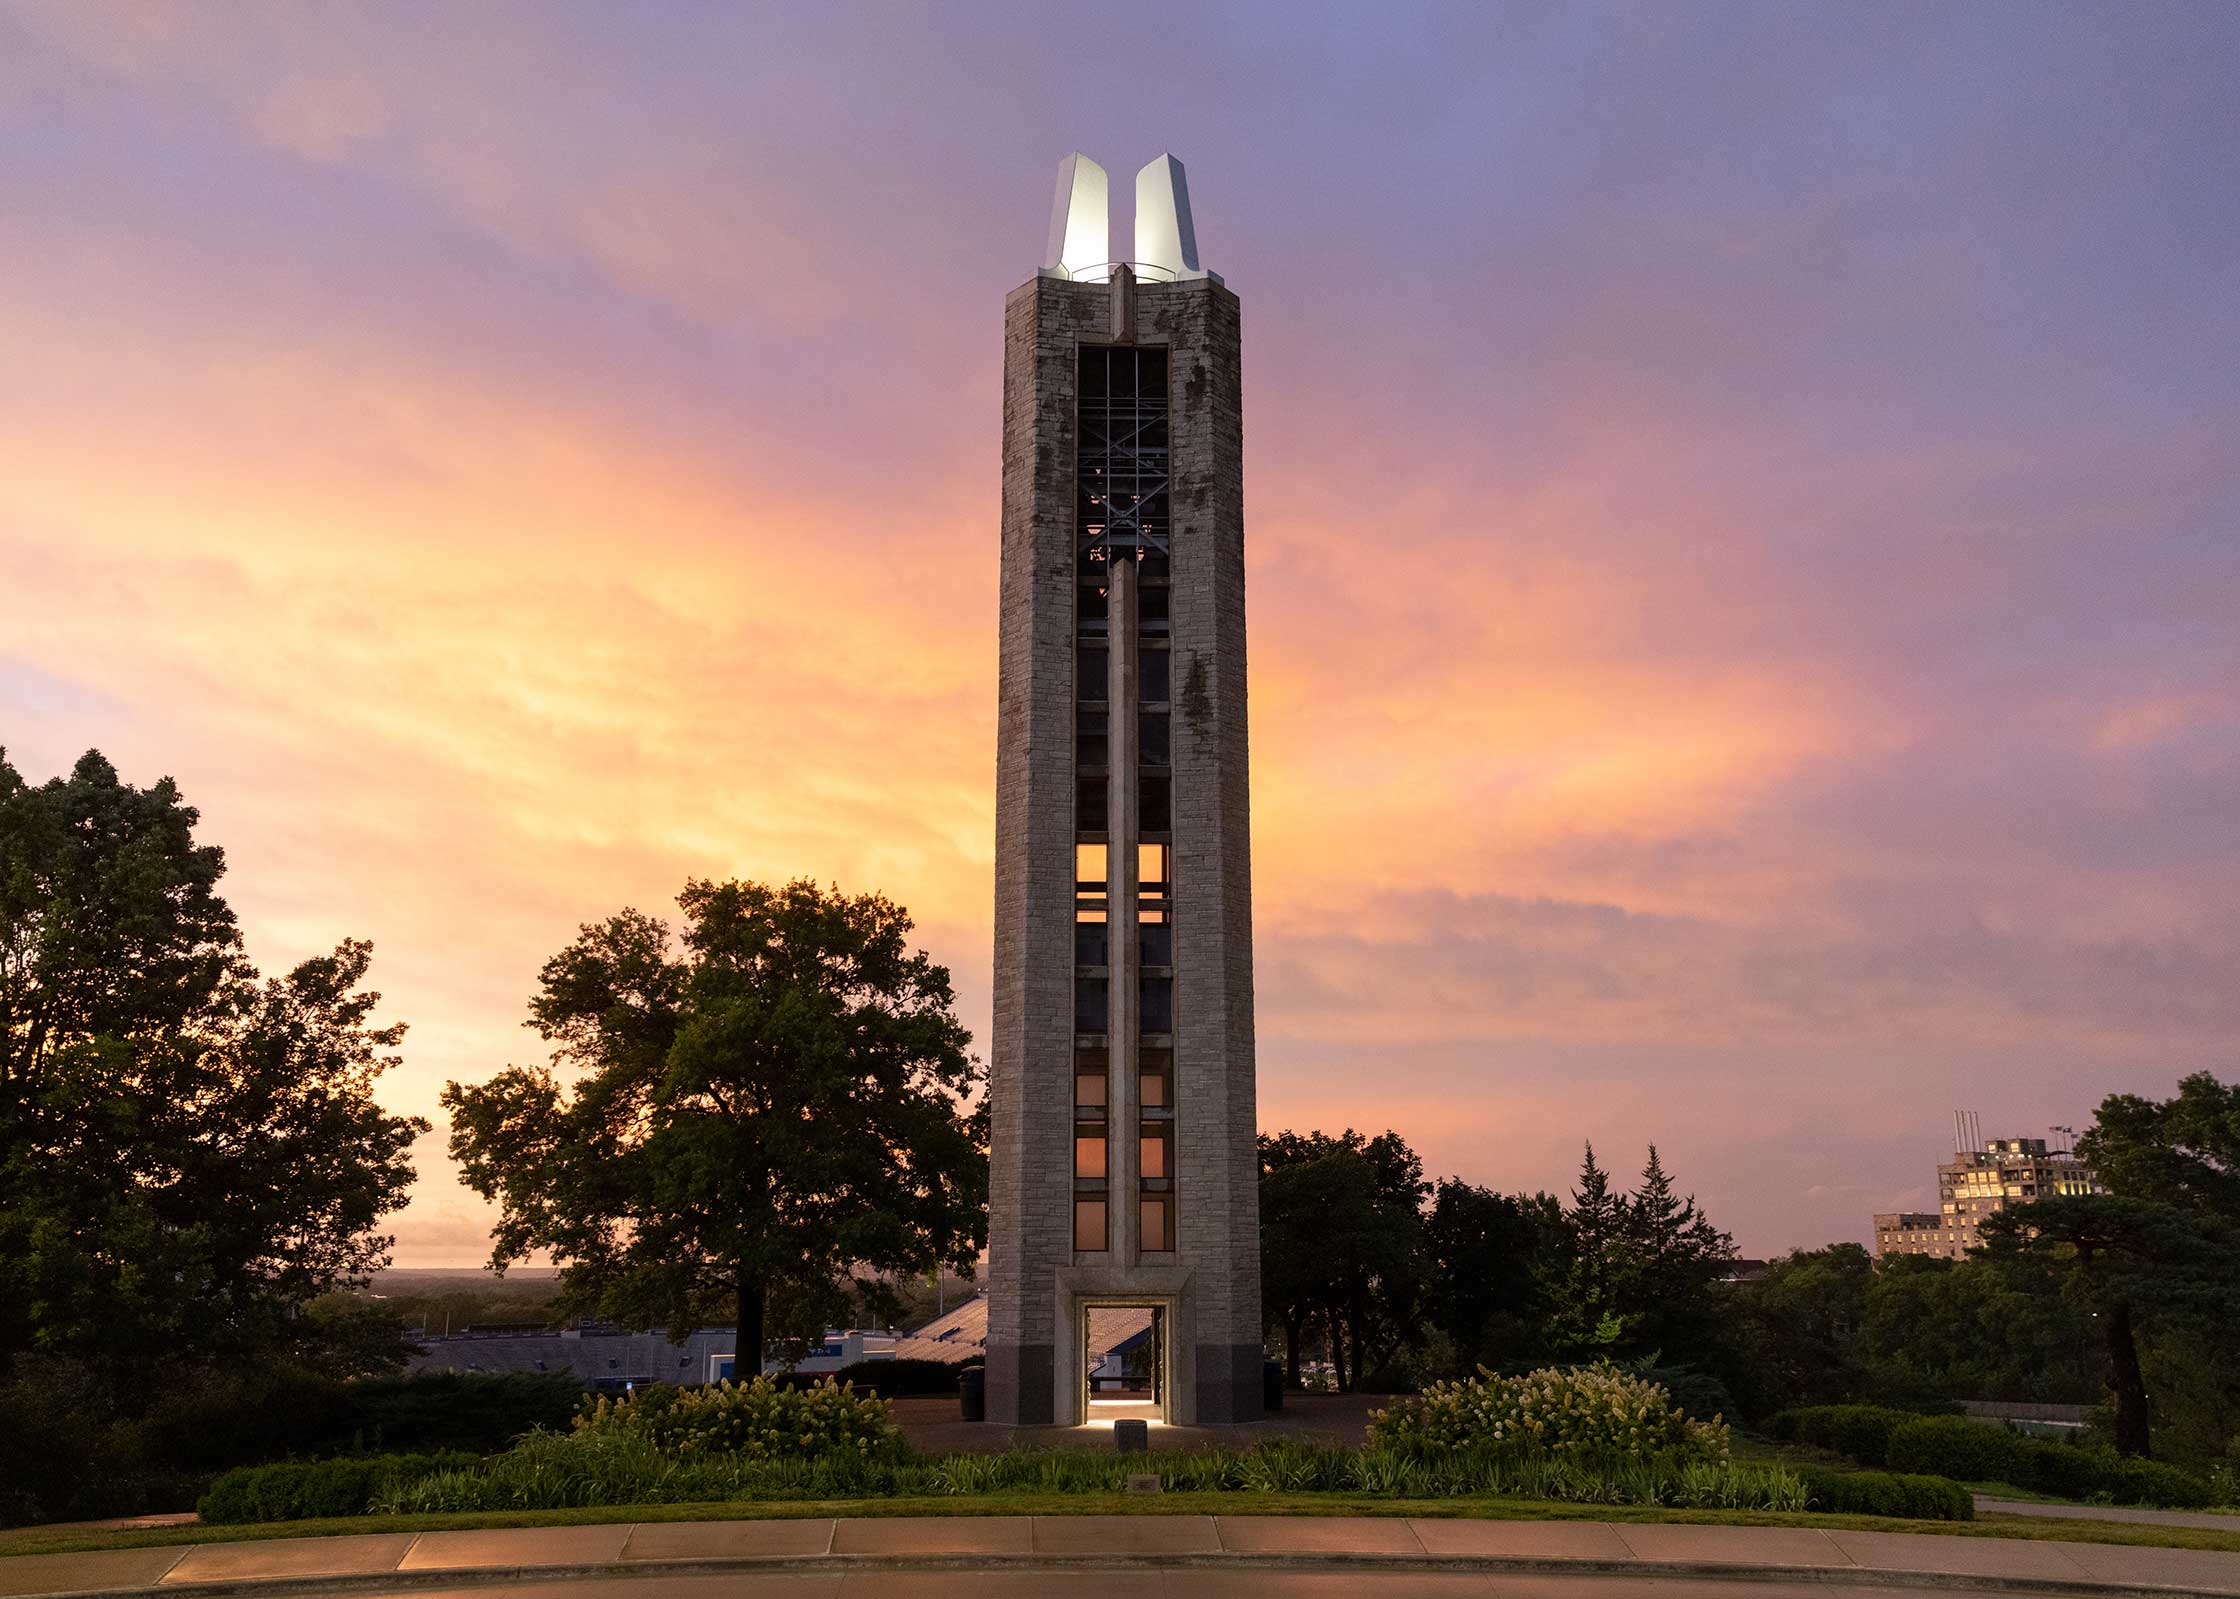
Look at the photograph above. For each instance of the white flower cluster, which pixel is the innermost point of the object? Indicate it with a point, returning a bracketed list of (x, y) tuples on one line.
[(1581, 1412), (756, 1419)]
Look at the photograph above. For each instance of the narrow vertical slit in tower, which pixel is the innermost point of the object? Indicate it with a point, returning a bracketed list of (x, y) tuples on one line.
[(1124, 960)]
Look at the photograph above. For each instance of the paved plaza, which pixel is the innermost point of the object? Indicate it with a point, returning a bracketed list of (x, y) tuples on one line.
[(1085, 1556)]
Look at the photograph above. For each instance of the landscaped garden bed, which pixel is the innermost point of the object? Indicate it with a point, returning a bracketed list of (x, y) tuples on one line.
[(1588, 1436)]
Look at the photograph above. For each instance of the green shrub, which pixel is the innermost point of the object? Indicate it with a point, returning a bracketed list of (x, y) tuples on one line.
[(1952, 1446), (1857, 1432), (1887, 1493), (758, 1420), (1580, 1411), (2151, 1482), (232, 1420), (891, 1379), (2060, 1469), (298, 1490)]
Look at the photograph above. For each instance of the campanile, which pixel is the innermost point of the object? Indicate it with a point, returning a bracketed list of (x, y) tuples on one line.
[(1124, 1260)]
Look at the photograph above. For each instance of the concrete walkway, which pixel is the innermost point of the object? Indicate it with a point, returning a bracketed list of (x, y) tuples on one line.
[(1062, 1549)]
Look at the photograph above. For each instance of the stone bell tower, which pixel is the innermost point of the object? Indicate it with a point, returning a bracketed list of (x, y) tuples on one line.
[(1124, 1241)]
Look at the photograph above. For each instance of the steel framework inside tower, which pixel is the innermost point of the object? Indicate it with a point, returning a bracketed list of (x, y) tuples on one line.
[(1121, 463)]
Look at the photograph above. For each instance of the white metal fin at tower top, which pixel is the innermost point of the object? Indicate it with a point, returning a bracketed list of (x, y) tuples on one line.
[(1164, 235), (1080, 226)]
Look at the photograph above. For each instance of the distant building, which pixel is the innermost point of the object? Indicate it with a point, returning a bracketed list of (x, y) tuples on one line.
[(1977, 1183)]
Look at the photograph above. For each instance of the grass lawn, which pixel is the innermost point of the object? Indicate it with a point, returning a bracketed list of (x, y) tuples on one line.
[(37, 1540)]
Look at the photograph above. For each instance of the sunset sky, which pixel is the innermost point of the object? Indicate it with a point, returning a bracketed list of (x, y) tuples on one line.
[(1743, 521)]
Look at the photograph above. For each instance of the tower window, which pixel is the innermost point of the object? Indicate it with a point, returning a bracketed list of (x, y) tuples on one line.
[(1155, 807), (1089, 740), (1089, 944), (1092, 675), (1088, 1222), (1158, 1223), (1153, 1148), (1089, 805), (1089, 1004), (1151, 734), (1088, 1149), (1151, 609), (1151, 677), (1158, 1005)]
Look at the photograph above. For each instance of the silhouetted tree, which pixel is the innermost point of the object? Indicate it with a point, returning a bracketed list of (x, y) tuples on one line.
[(1491, 1255), (1363, 1272), (2159, 1256), (769, 1118)]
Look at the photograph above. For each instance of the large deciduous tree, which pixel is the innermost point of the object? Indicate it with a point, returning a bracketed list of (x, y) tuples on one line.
[(1342, 1246), (766, 1114), (188, 1156), (1490, 1262), (2157, 1259)]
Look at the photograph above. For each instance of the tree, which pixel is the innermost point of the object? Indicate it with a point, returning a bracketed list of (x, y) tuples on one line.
[(2157, 1259), (1586, 1311), (110, 921), (1491, 1255), (1344, 1219), (2135, 1265), (767, 1116), (1675, 1260), (189, 1156)]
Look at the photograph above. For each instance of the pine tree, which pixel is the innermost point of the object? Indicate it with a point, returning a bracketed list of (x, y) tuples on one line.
[(1586, 1312), (1671, 1264)]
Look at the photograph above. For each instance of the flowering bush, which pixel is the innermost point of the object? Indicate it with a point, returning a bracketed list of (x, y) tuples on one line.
[(757, 1420), (1583, 1412)]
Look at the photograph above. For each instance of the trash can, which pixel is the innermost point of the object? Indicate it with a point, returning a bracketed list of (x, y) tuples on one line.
[(972, 1392), (1271, 1385)]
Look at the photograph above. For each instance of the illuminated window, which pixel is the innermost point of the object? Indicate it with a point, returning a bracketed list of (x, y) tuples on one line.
[(1155, 1078), (1089, 1090), (1152, 1148), (1088, 1149), (1157, 1221), (1088, 1222), (1151, 869)]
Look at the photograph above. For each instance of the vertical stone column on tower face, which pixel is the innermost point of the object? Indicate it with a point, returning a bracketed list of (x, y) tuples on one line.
[(1216, 1127), (1031, 1040)]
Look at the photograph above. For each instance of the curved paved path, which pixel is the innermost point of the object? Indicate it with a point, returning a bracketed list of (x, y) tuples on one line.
[(1083, 1556)]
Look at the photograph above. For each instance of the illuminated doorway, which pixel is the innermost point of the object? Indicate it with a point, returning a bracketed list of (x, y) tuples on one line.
[(1124, 1363)]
